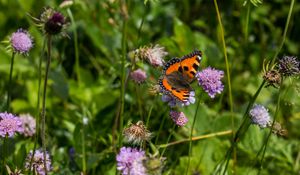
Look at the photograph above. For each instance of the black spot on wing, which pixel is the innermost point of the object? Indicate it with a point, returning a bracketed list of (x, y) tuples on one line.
[(195, 66)]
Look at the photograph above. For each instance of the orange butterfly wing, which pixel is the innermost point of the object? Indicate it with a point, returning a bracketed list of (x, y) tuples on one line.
[(187, 66)]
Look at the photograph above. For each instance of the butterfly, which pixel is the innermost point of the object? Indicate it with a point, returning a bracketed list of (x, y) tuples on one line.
[(178, 74)]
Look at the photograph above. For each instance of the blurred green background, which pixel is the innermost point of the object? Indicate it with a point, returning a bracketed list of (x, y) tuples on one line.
[(93, 92)]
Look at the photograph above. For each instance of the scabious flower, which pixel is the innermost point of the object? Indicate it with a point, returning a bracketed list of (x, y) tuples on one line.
[(152, 54), (210, 80), (260, 116), (21, 42), (130, 161), (137, 133), (179, 118), (28, 124), (38, 162), (289, 66), (139, 76), (173, 102), (10, 125)]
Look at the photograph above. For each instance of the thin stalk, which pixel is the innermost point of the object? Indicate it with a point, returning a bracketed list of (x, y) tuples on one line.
[(83, 150), (43, 114), (227, 74), (270, 132), (168, 140), (9, 82), (243, 127), (196, 138), (160, 128), (247, 22), (37, 121), (139, 101), (191, 137), (4, 151), (123, 76), (285, 31), (149, 115), (77, 65)]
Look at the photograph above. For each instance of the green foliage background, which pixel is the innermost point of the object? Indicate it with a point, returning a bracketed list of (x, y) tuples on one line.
[(93, 91)]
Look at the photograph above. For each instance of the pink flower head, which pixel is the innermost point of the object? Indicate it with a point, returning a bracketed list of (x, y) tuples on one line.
[(38, 162), (129, 161), (173, 102), (210, 80), (28, 124), (10, 124), (21, 41), (139, 76), (179, 118)]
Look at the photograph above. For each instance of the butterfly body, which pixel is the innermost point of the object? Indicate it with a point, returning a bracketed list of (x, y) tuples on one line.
[(178, 74)]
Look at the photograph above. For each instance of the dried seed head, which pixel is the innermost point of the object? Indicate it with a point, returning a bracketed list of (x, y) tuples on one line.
[(152, 54), (289, 66), (273, 78), (136, 133), (278, 129)]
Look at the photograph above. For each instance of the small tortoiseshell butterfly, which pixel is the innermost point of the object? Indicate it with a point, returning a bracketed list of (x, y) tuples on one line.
[(177, 75)]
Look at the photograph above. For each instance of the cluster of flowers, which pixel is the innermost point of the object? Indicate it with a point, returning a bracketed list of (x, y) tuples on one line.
[(25, 124), (21, 42), (133, 160), (209, 79), (287, 66), (260, 116)]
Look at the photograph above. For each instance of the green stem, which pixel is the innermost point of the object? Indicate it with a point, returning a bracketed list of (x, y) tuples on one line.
[(77, 65), (270, 132), (160, 129), (149, 115), (191, 137), (83, 150), (123, 76), (4, 151), (247, 22), (9, 82), (44, 101), (168, 140), (37, 121), (285, 31), (227, 74)]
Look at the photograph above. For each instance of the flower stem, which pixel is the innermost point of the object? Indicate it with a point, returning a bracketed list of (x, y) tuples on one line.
[(191, 137), (168, 140), (196, 138), (285, 31), (9, 82), (43, 114), (270, 132), (228, 76), (123, 75), (77, 65), (83, 150), (37, 121)]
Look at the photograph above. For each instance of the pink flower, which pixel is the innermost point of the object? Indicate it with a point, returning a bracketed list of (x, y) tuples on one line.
[(28, 124), (139, 76), (129, 161), (10, 125), (210, 80), (179, 118), (21, 41)]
